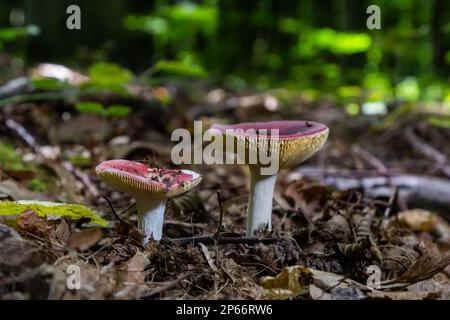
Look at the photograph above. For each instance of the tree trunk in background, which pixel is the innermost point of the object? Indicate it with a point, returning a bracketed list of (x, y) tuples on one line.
[(101, 29), (437, 38)]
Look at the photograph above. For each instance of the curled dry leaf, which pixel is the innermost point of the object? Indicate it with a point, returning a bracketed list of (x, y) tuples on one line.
[(85, 239), (426, 266), (133, 270), (290, 283), (420, 220), (299, 280)]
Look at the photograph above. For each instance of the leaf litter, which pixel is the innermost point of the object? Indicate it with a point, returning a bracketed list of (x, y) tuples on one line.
[(325, 238)]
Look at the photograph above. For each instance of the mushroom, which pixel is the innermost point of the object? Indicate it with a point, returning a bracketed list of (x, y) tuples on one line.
[(151, 187), (293, 143)]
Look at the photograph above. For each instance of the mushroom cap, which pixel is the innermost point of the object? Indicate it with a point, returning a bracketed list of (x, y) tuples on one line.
[(296, 140), (138, 179)]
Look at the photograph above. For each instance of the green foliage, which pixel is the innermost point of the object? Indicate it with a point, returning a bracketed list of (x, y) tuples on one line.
[(179, 22), (408, 90), (45, 208), (80, 160), (333, 41), (439, 121), (49, 84), (15, 33), (109, 75), (10, 160), (89, 107), (179, 68), (37, 185), (115, 110)]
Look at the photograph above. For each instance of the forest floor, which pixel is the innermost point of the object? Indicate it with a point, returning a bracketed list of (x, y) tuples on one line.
[(371, 205)]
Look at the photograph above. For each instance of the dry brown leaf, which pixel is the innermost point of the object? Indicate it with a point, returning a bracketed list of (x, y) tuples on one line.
[(30, 222), (85, 239), (298, 280), (308, 197), (133, 270), (290, 283), (430, 263), (418, 219)]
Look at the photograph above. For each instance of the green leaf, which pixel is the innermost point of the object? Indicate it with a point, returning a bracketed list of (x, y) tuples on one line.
[(118, 110), (439, 122), (49, 84), (109, 74), (408, 89), (11, 34), (179, 68), (46, 208), (89, 107)]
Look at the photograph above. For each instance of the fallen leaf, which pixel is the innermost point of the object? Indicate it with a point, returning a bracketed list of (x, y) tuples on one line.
[(308, 197), (430, 263), (299, 280), (290, 283), (418, 219), (133, 270), (85, 239), (29, 221)]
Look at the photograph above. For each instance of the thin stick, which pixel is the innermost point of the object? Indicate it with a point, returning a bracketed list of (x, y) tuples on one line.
[(392, 200), (223, 240), (219, 226), (166, 286), (115, 212)]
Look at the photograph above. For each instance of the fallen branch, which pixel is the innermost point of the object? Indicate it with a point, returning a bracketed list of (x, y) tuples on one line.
[(209, 240), (14, 87), (427, 151), (418, 191)]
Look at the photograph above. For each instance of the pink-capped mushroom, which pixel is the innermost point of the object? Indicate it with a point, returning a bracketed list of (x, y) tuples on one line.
[(288, 142), (150, 187)]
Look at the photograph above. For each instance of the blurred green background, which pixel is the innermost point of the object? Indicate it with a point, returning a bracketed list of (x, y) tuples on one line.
[(315, 47)]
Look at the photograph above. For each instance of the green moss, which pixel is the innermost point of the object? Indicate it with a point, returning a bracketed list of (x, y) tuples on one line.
[(44, 209), (10, 160)]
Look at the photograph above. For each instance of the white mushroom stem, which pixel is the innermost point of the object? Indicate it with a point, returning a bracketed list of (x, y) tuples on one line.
[(151, 217), (259, 212)]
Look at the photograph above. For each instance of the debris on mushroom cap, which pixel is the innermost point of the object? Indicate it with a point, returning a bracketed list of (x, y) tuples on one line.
[(296, 140), (135, 177)]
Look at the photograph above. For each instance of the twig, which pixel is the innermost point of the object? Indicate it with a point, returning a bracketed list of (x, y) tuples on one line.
[(115, 212), (15, 87), (371, 159), (219, 226), (18, 129), (428, 151), (392, 201), (186, 224), (166, 286), (208, 240), (208, 257)]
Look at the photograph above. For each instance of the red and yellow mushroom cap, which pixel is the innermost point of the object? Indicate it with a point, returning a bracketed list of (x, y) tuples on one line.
[(136, 178), (296, 141)]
